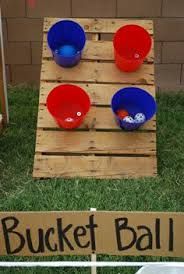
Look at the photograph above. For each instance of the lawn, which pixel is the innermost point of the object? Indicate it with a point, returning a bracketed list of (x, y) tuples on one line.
[(19, 192)]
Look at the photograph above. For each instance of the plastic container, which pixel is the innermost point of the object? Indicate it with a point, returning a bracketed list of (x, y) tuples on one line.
[(66, 33), (68, 104), (134, 100), (161, 270), (131, 43)]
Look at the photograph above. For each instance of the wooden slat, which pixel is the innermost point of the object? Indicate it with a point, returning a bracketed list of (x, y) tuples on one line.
[(96, 72), (104, 151), (96, 142), (94, 167), (97, 118), (100, 94), (102, 25), (1, 122), (96, 50), (3, 91), (3, 84)]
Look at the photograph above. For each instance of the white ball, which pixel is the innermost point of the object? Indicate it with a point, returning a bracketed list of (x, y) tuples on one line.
[(140, 118), (128, 119), (136, 56), (69, 119)]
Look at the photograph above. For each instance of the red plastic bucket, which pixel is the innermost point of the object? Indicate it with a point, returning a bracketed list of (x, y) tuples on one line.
[(132, 43), (68, 104)]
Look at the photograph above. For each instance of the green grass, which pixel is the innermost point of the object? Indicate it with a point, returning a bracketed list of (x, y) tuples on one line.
[(18, 191)]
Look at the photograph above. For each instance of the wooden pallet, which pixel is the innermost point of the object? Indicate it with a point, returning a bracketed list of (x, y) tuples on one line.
[(99, 148)]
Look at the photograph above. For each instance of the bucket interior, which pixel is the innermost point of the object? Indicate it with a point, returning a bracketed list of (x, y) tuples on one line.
[(132, 42)]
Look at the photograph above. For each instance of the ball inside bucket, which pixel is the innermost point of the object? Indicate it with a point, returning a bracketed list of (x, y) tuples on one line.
[(66, 40), (131, 43), (68, 104), (135, 101), (66, 51)]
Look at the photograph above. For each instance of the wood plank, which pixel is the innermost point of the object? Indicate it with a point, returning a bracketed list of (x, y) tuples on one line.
[(102, 25), (94, 167), (96, 50), (100, 94), (96, 72), (96, 142), (1, 122), (97, 118), (3, 84), (3, 92)]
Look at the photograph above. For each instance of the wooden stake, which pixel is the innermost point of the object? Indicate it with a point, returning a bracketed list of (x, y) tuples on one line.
[(3, 85), (93, 256)]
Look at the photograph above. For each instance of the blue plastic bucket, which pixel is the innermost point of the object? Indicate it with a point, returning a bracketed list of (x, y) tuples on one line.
[(66, 40), (134, 100)]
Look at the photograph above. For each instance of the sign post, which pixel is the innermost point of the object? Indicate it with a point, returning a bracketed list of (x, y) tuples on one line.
[(93, 256)]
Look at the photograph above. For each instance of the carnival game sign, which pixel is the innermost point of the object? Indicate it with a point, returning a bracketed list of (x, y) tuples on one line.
[(84, 233)]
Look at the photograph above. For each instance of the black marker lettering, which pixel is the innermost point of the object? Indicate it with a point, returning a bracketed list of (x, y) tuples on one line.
[(47, 240), (40, 248), (80, 231), (122, 224), (10, 230), (62, 235), (157, 233), (171, 234), (147, 235)]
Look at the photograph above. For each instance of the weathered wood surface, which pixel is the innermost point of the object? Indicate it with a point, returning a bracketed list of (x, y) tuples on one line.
[(99, 148)]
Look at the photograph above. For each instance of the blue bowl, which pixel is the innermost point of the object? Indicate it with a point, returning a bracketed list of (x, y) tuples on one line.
[(134, 100), (67, 34)]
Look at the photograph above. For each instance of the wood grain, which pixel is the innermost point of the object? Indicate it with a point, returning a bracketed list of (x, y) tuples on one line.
[(94, 25), (94, 167), (96, 142), (97, 118), (100, 94), (96, 50), (96, 72), (98, 149)]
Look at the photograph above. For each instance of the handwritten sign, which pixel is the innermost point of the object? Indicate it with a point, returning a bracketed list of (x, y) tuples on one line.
[(82, 233)]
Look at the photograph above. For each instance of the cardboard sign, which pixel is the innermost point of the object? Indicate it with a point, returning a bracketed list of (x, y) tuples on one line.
[(82, 233)]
